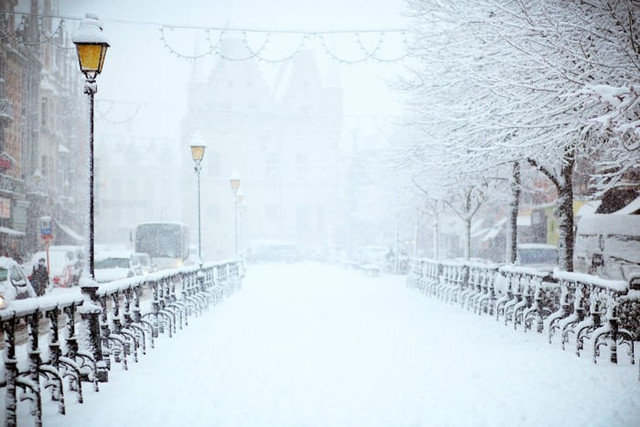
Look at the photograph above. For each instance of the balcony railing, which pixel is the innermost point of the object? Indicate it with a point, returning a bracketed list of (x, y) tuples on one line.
[(10, 185), (6, 110)]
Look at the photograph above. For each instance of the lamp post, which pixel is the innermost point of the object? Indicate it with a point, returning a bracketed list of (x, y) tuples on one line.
[(197, 153), (91, 45), (240, 210), (235, 185)]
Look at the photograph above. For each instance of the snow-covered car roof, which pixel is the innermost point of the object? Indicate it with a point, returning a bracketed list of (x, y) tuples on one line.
[(112, 254), (536, 246), (6, 262), (12, 288)]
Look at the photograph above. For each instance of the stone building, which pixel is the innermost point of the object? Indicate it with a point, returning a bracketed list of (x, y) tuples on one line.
[(279, 136), (43, 124)]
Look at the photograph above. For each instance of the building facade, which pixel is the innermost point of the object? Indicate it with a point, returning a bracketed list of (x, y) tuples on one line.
[(281, 139), (43, 124)]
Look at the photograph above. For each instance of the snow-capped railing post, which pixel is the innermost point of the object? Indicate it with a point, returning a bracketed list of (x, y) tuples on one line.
[(34, 366), (200, 279), (613, 353), (90, 313), (10, 371), (568, 325), (566, 296)]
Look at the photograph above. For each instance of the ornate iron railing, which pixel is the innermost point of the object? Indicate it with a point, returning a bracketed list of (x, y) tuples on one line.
[(578, 308), (87, 333)]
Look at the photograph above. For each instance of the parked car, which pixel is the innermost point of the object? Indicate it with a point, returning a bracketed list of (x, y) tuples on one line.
[(274, 251), (146, 264), (65, 264), (374, 255), (608, 245), (14, 284), (110, 266), (537, 255)]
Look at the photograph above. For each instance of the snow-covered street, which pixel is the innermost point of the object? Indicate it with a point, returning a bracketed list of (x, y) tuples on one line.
[(307, 344)]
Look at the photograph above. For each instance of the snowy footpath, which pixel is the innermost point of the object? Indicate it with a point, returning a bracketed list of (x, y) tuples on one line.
[(313, 345)]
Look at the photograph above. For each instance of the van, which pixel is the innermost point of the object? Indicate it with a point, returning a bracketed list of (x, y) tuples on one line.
[(540, 256), (608, 245)]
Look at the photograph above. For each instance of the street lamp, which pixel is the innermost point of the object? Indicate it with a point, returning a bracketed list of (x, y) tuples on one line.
[(91, 44), (197, 153), (235, 185), (240, 207)]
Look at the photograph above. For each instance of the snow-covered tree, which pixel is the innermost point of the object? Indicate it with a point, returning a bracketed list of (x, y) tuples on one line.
[(505, 81)]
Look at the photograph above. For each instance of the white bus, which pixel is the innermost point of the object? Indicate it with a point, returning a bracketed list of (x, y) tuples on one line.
[(166, 242)]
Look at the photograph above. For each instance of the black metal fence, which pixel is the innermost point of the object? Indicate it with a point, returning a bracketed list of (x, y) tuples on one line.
[(572, 308), (86, 333)]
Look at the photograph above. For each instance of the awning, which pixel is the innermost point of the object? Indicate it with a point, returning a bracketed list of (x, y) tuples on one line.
[(630, 209), (493, 232), (77, 238), (477, 229), (589, 208), (11, 232)]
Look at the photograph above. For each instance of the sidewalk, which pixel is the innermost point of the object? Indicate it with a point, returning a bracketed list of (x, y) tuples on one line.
[(306, 344)]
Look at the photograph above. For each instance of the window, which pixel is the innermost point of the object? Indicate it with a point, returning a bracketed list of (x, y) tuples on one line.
[(43, 165), (43, 112), (320, 219), (271, 166), (16, 276), (302, 166), (303, 219)]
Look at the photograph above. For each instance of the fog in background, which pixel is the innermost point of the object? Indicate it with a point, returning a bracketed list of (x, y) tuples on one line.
[(315, 194)]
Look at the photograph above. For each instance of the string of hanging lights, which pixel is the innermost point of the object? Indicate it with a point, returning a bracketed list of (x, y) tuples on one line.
[(300, 39), (16, 35), (360, 52), (104, 112)]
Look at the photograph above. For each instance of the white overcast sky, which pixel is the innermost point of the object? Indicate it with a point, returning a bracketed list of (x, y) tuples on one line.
[(140, 69)]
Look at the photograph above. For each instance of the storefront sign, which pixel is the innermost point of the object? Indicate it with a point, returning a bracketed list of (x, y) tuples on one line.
[(6, 162), (5, 208)]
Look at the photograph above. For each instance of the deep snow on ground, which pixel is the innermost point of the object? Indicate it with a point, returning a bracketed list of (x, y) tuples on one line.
[(306, 344)]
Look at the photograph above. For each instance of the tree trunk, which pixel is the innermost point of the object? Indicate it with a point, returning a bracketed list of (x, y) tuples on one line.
[(416, 234), (436, 245), (513, 223), (467, 249), (565, 210)]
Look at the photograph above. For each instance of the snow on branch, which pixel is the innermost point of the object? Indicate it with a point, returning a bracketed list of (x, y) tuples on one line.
[(621, 113)]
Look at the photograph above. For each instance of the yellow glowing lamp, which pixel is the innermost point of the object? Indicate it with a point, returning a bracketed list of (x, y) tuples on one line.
[(91, 44), (235, 182), (197, 152)]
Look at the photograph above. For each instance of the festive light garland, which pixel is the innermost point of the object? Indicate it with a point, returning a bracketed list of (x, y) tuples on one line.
[(43, 37), (102, 113), (366, 54), (213, 48)]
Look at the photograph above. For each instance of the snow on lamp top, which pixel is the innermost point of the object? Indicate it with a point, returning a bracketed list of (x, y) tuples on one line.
[(91, 44), (197, 147)]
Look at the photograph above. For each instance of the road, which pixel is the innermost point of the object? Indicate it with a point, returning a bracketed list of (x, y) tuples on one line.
[(307, 344)]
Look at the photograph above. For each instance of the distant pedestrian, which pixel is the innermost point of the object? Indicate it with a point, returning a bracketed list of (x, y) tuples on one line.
[(40, 277)]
